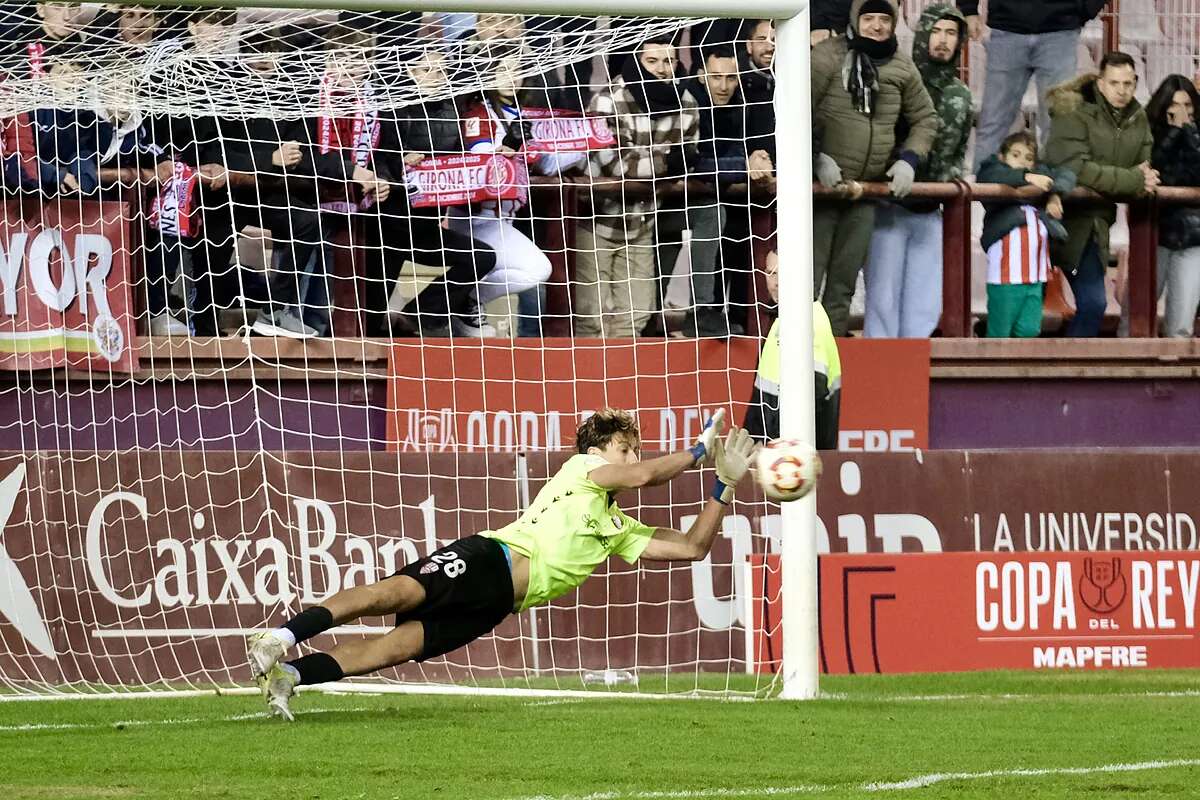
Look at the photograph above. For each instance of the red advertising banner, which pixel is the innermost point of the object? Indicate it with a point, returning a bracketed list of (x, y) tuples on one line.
[(466, 179), (506, 395), (885, 395), (143, 565), (65, 297), (966, 611)]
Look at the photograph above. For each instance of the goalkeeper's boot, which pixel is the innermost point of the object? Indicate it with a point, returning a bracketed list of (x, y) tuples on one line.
[(278, 685), (263, 651)]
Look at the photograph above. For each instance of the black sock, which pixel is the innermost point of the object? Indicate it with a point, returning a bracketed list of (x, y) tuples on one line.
[(309, 622), (318, 668)]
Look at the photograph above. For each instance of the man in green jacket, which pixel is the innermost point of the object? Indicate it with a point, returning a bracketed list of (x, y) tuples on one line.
[(904, 271), (861, 87), (1099, 132)]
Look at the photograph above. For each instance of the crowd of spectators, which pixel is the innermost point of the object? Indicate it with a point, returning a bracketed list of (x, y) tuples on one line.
[(693, 158), (690, 146)]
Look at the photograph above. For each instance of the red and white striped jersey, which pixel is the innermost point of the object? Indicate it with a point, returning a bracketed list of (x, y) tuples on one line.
[(1023, 255)]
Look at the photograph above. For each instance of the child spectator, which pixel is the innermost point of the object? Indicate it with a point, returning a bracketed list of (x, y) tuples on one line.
[(1176, 156), (1016, 237)]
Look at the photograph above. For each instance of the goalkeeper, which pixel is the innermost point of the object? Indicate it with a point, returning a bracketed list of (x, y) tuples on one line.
[(466, 589)]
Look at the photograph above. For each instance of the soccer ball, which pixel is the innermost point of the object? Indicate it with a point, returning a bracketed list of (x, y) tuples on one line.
[(788, 469)]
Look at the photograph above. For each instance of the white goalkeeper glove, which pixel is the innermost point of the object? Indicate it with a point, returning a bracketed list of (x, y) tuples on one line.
[(704, 448), (733, 462)]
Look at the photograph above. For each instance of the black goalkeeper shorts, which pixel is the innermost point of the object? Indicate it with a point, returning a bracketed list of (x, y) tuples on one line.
[(468, 592)]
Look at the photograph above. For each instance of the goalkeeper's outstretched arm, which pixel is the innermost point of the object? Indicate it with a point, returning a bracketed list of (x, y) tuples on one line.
[(664, 469), (732, 462)]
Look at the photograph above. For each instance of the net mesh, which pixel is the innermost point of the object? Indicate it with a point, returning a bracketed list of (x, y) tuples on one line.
[(292, 299)]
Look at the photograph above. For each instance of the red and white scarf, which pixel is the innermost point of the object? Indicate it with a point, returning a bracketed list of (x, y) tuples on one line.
[(173, 212), (358, 134)]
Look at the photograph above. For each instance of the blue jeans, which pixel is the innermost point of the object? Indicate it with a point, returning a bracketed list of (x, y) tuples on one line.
[(1012, 59), (903, 274), (1090, 299)]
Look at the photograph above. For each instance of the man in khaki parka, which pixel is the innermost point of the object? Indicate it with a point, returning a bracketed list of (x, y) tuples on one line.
[(1099, 132), (861, 87)]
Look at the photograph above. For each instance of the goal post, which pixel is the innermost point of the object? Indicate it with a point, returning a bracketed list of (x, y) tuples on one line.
[(280, 494)]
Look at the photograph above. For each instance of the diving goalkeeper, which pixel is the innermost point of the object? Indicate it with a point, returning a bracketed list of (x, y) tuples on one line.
[(462, 591)]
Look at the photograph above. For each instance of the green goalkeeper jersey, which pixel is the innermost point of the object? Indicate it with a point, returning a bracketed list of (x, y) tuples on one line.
[(569, 529)]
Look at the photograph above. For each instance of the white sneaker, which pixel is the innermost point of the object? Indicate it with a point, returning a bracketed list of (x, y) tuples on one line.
[(472, 322), (263, 651), (282, 323), (278, 686), (167, 325)]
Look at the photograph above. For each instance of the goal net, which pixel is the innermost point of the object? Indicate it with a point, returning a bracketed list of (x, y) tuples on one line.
[(291, 299)]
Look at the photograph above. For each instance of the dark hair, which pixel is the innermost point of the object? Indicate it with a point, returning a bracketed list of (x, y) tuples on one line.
[(1164, 95), (749, 25), (723, 50), (1020, 137), (1117, 59), (662, 38), (606, 425)]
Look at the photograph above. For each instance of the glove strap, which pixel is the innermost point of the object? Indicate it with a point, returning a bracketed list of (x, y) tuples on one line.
[(721, 493), (699, 452)]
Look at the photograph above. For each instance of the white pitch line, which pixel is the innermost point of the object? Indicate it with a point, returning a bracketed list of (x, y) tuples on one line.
[(922, 781), (917, 782), (148, 723)]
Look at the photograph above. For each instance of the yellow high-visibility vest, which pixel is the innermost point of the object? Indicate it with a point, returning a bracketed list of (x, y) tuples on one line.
[(825, 355)]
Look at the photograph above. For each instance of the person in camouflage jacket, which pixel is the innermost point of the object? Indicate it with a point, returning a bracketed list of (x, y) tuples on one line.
[(904, 270)]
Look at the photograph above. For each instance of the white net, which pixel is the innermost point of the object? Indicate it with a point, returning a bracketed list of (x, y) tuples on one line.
[(291, 299)]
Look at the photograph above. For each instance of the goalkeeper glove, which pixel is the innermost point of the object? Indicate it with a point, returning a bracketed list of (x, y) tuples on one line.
[(733, 462), (702, 451)]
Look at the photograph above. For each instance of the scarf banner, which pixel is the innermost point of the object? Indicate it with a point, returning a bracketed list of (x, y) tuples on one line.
[(173, 212), (558, 131), (465, 180)]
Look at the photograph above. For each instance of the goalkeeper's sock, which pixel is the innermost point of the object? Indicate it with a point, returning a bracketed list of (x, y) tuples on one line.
[(308, 623), (317, 668)]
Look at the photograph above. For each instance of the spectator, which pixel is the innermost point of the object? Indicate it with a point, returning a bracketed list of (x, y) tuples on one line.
[(1016, 237), (55, 34), (722, 162), (1101, 134), (1029, 38), (135, 26), (85, 153), (861, 87), (904, 270), (432, 128), (259, 168), (355, 159), (1176, 155), (755, 63), (656, 126), (196, 144), (762, 415), (493, 124)]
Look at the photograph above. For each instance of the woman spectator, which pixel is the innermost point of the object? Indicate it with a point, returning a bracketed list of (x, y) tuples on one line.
[(1172, 112)]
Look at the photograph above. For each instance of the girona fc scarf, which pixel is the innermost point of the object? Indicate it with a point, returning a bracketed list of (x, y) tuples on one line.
[(37, 60), (359, 134), (173, 212)]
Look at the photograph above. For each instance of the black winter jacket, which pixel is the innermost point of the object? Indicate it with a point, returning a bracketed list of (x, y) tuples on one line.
[(1035, 16), (1177, 159)]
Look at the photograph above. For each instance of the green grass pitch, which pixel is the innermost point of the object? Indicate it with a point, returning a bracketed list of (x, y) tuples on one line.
[(1010, 735)]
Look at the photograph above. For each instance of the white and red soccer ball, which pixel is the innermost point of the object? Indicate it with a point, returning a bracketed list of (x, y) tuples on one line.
[(788, 469)]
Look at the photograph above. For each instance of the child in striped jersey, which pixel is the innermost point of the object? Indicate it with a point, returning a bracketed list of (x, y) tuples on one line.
[(1016, 236)]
